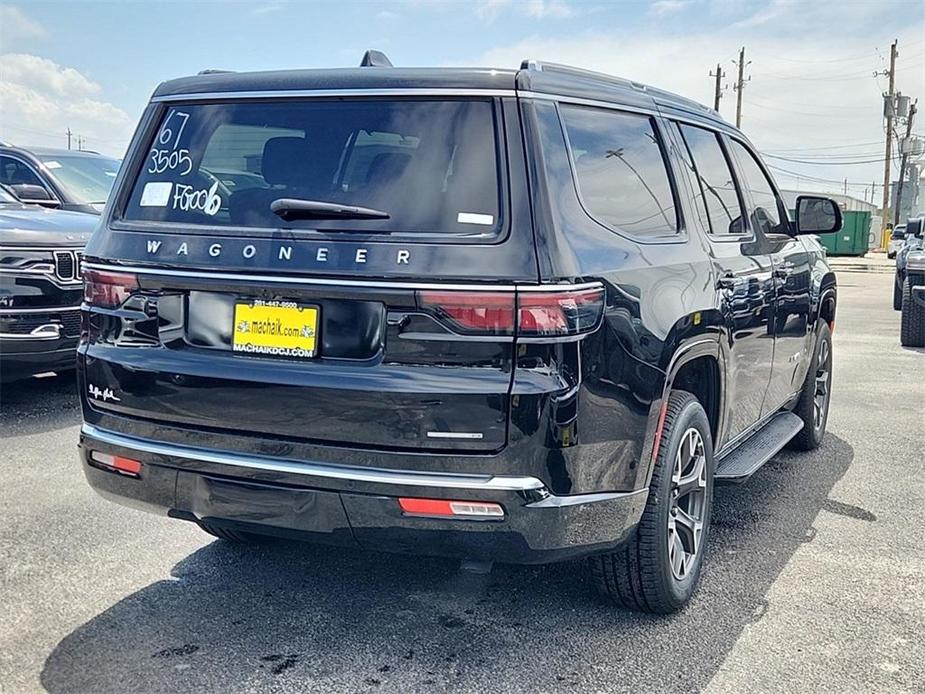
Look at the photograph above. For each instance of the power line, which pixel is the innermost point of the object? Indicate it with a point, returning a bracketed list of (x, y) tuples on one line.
[(829, 163)]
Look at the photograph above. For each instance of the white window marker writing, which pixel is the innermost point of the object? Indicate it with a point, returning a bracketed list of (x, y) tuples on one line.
[(156, 194), (474, 218), (52, 165)]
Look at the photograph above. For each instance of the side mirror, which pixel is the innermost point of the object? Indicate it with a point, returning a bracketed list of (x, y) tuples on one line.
[(914, 227), (817, 215), (30, 193)]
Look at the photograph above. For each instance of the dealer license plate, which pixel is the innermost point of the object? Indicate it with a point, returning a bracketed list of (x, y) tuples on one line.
[(275, 329)]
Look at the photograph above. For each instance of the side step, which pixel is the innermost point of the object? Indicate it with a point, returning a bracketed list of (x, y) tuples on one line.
[(744, 460)]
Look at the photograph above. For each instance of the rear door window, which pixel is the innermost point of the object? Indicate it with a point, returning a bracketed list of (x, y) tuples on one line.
[(621, 170), (431, 166), (767, 210), (717, 184)]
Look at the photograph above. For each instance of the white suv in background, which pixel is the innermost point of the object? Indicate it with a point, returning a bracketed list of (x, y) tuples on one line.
[(896, 240)]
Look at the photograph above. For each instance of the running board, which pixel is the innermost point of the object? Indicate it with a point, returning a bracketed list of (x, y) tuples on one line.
[(745, 459)]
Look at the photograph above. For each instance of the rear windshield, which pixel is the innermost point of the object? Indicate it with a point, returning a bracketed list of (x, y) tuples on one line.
[(430, 166)]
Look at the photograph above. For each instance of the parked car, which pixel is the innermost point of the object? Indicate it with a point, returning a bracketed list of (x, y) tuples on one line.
[(59, 178), (509, 315), (911, 241), (912, 321), (897, 236), (40, 287)]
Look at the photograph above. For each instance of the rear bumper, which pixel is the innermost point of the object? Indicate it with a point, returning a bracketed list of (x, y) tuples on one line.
[(357, 506)]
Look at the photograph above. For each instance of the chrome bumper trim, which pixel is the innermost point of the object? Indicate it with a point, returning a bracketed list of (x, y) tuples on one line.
[(354, 474)]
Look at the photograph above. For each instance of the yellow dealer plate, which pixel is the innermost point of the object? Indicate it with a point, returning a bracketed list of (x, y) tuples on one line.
[(275, 329)]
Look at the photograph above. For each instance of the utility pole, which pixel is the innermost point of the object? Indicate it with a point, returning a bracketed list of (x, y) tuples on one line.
[(68, 138), (902, 163), (740, 85), (846, 187), (889, 136), (718, 89)]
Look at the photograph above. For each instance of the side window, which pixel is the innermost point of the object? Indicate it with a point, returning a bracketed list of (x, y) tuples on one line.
[(768, 212), (14, 172), (621, 170), (687, 162), (716, 181)]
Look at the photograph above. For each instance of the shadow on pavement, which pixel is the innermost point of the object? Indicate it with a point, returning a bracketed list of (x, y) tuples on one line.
[(297, 618), (39, 405)]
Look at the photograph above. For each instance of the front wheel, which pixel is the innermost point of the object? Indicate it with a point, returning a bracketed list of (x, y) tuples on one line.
[(897, 294), (912, 321), (658, 569)]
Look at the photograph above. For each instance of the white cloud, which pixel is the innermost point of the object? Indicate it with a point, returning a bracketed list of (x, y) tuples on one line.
[(665, 7), (488, 10), (16, 27), (40, 100)]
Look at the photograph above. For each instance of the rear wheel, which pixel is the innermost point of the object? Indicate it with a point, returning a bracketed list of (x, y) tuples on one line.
[(813, 405), (912, 320), (658, 569)]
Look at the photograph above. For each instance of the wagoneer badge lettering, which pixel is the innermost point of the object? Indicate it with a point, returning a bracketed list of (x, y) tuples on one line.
[(249, 251)]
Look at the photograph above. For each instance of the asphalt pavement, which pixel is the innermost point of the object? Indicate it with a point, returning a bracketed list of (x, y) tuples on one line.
[(813, 582)]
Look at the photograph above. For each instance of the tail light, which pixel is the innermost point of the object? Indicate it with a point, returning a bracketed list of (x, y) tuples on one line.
[(108, 289), (472, 312), (526, 313), (117, 463)]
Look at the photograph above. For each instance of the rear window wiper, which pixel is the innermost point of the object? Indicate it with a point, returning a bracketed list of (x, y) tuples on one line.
[(297, 208)]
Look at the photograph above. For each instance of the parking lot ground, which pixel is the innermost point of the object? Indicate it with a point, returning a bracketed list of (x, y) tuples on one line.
[(814, 579)]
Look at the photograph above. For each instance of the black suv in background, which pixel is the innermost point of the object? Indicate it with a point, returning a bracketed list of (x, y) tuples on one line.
[(515, 315), (58, 178), (40, 287)]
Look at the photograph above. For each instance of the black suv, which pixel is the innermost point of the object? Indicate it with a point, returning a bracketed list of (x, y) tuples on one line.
[(515, 315)]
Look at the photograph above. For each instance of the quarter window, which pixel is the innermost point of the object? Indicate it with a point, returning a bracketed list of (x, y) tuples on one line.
[(621, 171), (717, 185), (768, 212)]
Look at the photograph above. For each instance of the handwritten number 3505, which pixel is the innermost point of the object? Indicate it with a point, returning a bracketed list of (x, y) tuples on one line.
[(169, 159)]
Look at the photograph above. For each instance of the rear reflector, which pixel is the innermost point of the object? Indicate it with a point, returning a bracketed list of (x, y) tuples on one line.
[(126, 466), (530, 314), (451, 509)]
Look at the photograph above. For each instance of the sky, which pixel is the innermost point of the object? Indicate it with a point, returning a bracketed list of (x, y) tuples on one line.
[(812, 105)]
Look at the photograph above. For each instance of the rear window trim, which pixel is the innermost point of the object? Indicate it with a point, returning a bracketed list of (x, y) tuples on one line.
[(161, 105)]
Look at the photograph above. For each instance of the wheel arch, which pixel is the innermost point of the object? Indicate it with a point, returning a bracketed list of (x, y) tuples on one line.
[(698, 367)]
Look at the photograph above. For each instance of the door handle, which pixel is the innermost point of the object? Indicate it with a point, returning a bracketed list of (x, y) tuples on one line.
[(727, 281)]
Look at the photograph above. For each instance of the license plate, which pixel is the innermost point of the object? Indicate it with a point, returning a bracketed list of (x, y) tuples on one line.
[(275, 329)]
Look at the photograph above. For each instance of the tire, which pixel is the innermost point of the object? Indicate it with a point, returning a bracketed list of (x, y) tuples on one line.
[(640, 574), (897, 294), (912, 320), (817, 384), (236, 536)]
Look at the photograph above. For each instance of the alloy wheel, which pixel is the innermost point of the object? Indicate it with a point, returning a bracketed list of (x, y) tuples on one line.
[(688, 504), (821, 395)]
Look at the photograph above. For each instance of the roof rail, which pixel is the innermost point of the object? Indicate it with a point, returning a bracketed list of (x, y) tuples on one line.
[(540, 66), (213, 71), (374, 58)]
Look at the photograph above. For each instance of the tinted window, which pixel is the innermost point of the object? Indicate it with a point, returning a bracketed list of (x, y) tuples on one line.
[(684, 155), (432, 166), (87, 178), (14, 172), (768, 212), (715, 179), (621, 170)]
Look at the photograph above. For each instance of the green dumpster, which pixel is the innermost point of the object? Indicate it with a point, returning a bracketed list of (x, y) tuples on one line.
[(854, 237)]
